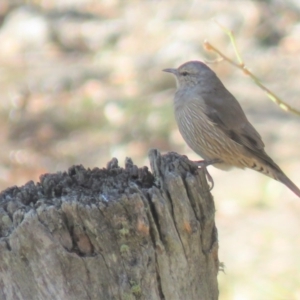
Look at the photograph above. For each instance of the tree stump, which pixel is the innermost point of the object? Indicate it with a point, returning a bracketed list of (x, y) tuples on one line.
[(113, 233)]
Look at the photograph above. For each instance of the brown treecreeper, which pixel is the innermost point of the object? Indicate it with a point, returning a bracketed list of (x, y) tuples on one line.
[(214, 125)]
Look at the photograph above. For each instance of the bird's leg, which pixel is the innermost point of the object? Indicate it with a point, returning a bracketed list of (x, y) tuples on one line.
[(203, 164)]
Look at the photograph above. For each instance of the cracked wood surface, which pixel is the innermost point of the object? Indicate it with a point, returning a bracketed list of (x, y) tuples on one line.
[(113, 233)]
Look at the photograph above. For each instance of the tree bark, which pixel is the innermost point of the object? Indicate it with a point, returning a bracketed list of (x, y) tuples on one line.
[(113, 233)]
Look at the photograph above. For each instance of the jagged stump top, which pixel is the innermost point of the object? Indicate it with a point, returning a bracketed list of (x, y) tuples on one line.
[(111, 233)]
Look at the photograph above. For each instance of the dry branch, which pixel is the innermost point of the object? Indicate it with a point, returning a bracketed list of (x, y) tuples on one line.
[(241, 65)]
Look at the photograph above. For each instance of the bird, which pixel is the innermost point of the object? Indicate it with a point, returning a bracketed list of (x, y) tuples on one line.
[(214, 125)]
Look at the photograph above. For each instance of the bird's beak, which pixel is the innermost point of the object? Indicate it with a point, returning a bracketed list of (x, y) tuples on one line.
[(170, 70)]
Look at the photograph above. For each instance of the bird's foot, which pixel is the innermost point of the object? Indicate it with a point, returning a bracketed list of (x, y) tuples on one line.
[(203, 164)]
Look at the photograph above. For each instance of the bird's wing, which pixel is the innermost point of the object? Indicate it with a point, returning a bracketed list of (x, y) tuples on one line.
[(233, 122), (237, 128), (226, 112)]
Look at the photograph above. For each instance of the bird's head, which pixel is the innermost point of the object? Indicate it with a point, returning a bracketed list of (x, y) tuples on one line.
[(191, 73)]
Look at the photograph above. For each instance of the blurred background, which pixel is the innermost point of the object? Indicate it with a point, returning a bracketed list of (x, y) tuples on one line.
[(81, 82)]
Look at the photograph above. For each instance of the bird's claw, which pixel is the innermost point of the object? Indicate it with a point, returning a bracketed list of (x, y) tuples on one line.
[(203, 164)]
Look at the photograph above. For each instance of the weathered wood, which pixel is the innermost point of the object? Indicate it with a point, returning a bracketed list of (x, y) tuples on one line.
[(114, 233)]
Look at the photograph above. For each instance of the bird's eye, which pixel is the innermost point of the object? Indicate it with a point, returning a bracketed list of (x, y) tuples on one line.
[(184, 73)]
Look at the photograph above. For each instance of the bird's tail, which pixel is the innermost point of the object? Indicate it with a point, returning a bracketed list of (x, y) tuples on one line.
[(267, 166), (285, 180)]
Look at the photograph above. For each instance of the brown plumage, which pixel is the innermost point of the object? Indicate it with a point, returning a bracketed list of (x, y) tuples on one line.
[(213, 124)]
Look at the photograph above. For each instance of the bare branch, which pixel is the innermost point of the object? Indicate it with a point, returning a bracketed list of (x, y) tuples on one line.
[(241, 65)]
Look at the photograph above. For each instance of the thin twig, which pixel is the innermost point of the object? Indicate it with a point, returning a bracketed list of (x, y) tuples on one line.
[(232, 40), (283, 105)]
